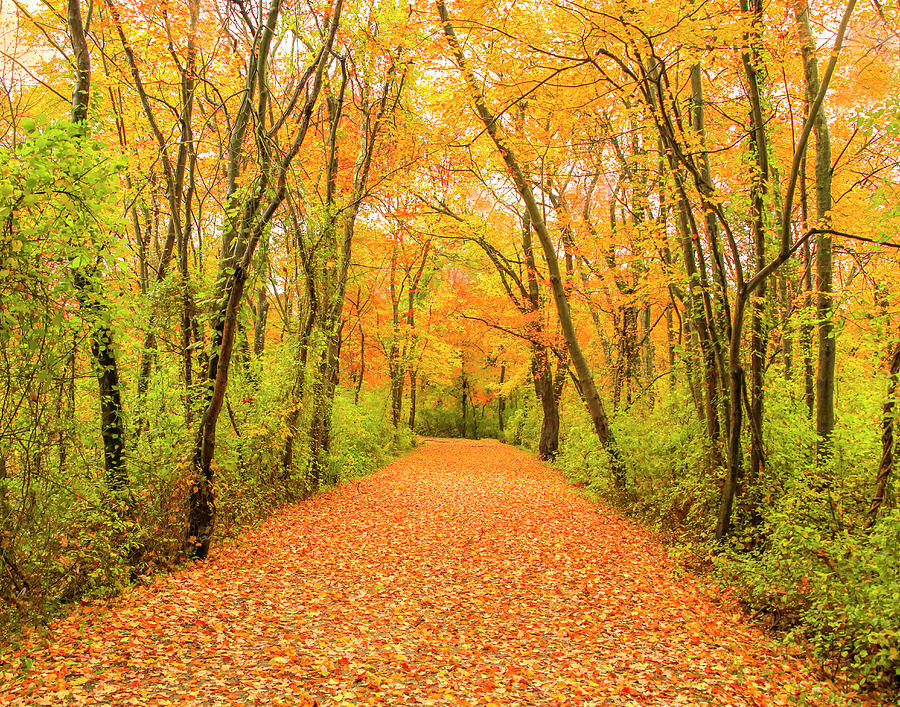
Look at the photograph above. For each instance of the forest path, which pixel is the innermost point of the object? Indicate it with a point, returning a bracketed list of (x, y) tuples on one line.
[(462, 573)]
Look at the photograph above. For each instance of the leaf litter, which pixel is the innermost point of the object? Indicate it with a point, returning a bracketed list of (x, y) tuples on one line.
[(465, 573)]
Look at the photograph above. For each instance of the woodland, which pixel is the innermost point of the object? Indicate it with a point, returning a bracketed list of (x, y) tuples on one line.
[(250, 249)]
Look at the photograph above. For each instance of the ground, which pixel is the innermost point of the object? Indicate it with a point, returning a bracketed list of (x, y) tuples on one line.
[(465, 573)]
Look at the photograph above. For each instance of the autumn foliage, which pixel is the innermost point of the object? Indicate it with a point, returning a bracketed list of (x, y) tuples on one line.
[(249, 249)]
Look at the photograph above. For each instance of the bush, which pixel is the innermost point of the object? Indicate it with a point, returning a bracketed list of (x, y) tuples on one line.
[(841, 591), (364, 438), (523, 424), (438, 420), (668, 481)]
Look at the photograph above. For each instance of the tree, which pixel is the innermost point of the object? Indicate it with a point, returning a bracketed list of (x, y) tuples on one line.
[(103, 353), (588, 389), (248, 215)]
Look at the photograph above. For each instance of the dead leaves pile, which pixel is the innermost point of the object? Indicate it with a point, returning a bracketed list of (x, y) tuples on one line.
[(463, 574)]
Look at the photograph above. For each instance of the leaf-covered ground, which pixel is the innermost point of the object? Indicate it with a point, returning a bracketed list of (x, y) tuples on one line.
[(465, 573)]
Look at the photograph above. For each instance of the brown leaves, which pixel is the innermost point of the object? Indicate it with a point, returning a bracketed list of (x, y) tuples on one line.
[(467, 573)]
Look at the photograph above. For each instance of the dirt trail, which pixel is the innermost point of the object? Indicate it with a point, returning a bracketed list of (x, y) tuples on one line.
[(463, 573)]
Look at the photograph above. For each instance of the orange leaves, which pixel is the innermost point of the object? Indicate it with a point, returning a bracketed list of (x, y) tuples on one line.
[(463, 574)]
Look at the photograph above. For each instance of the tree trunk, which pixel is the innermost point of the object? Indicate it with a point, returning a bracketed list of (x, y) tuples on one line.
[(296, 395), (323, 406), (201, 500), (649, 354), (886, 467), (806, 329), (542, 376), (700, 326), (804, 284), (734, 478), (259, 327), (362, 373), (760, 187), (412, 399), (411, 294), (106, 368), (629, 348), (188, 308), (103, 354), (396, 367), (787, 329), (463, 431), (824, 284), (541, 373), (396, 386), (501, 401)]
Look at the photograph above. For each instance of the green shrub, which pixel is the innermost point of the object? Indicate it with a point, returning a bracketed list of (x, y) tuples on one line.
[(523, 424), (363, 437), (438, 420), (840, 590), (668, 484)]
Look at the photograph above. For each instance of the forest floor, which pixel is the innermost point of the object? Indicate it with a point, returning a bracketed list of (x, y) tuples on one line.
[(464, 573)]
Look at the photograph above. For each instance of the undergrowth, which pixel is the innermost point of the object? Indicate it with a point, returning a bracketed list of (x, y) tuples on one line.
[(801, 561), (69, 541)]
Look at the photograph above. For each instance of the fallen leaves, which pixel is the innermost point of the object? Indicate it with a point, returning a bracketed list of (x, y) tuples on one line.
[(464, 575)]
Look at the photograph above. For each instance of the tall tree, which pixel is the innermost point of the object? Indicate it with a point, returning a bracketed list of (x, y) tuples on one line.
[(248, 215), (588, 388), (103, 352), (824, 248)]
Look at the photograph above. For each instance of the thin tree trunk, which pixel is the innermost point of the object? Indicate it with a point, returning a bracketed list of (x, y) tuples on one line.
[(323, 405), (259, 327), (464, 407), (700, 326), (718, 309), (824, 283), (886, 466), (501, 401), (787, 329), (806, 329), (296, 393), (735, 480), (103, 354), (412, 399), (188, 308), (362, 371), (649, 354), (541, 373), (411, 294), (542, 376), (805, 283), (759, 152), (396, 366)]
